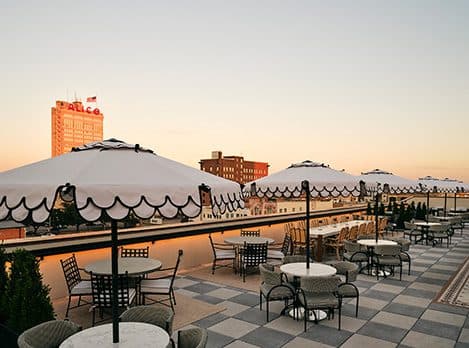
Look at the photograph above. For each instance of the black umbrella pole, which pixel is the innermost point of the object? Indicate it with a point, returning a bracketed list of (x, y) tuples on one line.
[(115, 272), (308, 245), (376, 217), (428, 206), (444, 212), (455, 195)]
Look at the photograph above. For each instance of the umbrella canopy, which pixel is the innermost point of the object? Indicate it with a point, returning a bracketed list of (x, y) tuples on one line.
[(379, 180), (435, 185), (313, 179), (114, 178)]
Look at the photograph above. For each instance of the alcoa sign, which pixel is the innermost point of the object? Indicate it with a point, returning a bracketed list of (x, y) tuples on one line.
[(79, 108)]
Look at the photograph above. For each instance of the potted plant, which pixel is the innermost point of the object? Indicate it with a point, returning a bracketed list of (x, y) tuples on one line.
[(28, 298)]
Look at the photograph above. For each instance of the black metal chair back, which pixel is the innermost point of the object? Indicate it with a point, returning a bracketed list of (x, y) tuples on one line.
[(101, 285), (254, 254), (71, 272), (250, 233), (135, 252)]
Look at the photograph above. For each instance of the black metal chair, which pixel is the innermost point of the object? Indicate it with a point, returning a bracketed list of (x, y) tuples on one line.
[(135, 252), (222, 252), (161, 285), (48, 334), (273, 287), (102, 293), (251, 256), (250, 233), (405, 246), (76, 285), (279, 254), (441, 232), (354, 252)]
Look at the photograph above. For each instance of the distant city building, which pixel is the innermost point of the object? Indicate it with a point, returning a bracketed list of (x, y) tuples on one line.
[(11, 230), (74, 125), (234, 168)]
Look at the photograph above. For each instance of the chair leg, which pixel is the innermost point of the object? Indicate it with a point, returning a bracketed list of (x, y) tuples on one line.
[(213, 266), (68, 306), (400, 272), (409, 267), (260, 301), (356, 307), (174, 296), (340, 315), (267, 307)]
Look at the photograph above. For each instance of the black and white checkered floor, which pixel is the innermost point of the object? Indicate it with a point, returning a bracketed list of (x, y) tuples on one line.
[(392, 312)]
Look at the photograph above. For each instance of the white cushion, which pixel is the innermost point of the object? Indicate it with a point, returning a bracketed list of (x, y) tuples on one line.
[(275, 254), (225, 254), (155, 285), (82, 288)]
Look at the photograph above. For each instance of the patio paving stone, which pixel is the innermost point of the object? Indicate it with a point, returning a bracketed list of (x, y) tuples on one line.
[(287, 325), (246, 299), (382, 331), (217, 340), (388, 288), (201, 288), (380, 295), (412, 301), (421, 340), (393, 319), (326, 335), (267, 338), (437, 329), (240, 344), (224, 293), (233, 328), (299, 342), (404, 309), (210, 320), (208, 299), (253, 315), (361, 341), (232, 308), (443, 317), (464, 336)]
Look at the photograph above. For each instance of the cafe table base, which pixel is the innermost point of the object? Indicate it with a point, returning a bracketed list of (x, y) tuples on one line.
[(299, 314)]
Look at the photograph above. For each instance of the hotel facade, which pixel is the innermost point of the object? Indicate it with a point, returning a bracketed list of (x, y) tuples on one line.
[(73, 125), (234, 168)]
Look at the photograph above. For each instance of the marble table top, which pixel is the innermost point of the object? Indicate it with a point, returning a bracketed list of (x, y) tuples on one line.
[(133, 266), (298, 269), (130, 335)]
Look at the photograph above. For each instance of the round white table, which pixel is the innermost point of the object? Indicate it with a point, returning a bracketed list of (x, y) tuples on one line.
[(298, 269), (130, 335), (248, 239), (425, 226), (131, 265), (373, 243)]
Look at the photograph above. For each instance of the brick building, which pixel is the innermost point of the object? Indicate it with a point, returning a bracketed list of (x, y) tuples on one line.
[(74, 125), (11, 230), (234, 168)]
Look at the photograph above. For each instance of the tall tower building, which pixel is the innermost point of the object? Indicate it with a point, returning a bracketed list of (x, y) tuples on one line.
[(74, 125)]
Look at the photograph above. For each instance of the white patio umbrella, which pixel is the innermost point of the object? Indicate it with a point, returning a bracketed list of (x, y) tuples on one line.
[(436, 185), (313, 179), (116, 179), (379, 181)]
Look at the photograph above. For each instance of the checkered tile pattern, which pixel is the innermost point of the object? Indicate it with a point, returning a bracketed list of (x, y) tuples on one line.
[(392, 312)]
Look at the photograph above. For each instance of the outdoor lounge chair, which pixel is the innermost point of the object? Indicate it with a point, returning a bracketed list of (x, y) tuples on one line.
[(320, 293), (102, 293), (77, 287), (346, 288), (387, 256), (273, 287), (158, 315), (279, 254), (49, 334), (222, 252), (251, 256), (161, 285), (192, 338)]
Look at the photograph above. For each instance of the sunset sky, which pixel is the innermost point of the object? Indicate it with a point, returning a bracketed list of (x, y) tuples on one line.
[(355, 84)]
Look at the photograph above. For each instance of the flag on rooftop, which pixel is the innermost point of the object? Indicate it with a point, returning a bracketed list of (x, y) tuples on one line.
[(91, 99)]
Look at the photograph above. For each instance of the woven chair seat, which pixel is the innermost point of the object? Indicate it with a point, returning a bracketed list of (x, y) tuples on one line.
[(285, 291), (347, 290), (49, 334), (82, 288), (320, 300), (387, 260), (405, 257), (355, 257), (192, 338)]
